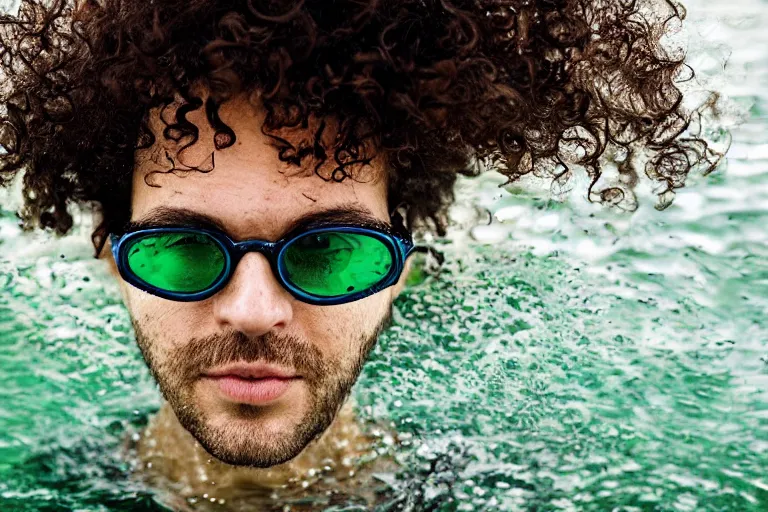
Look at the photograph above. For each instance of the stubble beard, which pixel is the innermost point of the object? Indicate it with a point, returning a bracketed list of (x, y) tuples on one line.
[(329, 383)]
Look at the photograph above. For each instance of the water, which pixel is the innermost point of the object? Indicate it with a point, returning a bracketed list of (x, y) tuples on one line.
[(564, 358)]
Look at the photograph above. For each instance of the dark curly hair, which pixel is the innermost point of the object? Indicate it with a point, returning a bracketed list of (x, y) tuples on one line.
[(436, 87)]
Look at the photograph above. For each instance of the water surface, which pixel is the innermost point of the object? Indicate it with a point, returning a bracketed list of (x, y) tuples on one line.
[(566, 357)]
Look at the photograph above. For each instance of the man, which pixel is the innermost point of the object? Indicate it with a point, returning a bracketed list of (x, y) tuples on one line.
[(254, 373), (259, 168)]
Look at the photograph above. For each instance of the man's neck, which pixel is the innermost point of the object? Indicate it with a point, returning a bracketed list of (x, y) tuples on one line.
[(168, 455)]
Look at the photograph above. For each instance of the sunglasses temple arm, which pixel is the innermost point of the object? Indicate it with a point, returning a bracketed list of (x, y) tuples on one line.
[(406, 246), (113, 242)]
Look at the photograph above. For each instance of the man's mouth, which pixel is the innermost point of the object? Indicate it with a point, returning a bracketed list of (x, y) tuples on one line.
[(252, 383), (252, 371)]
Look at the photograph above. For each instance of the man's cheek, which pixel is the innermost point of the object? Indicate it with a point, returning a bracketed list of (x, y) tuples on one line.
[(162, 319), (157, 342)]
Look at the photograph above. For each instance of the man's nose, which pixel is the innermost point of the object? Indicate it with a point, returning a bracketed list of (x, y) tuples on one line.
[(253, 301)]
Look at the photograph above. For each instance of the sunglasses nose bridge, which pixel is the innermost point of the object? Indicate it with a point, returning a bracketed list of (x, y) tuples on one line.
[(265, 248)]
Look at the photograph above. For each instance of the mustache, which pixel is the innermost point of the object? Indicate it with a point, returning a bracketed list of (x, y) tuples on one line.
[(185, 363), (202, 354)]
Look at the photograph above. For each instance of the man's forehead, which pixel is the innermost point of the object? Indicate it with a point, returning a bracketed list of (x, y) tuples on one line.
[(247, 202), (175, 216), (246, 188)]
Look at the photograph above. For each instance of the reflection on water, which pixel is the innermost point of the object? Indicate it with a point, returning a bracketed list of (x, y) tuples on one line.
[(564, 358)]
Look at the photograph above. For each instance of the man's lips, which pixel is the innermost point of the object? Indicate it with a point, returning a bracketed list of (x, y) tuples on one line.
[(252, 383)]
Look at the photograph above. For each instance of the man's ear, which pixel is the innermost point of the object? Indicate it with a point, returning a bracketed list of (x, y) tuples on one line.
[(400, 284)]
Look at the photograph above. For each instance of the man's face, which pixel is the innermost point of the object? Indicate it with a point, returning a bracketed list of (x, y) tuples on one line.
[(254, 320)]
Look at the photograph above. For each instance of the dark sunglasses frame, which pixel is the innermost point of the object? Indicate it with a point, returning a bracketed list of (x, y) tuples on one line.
[(399, 245)]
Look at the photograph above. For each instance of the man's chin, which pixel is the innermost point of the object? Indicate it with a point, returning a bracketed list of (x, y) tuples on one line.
[(253, 439), (259, 453), (248, 435)]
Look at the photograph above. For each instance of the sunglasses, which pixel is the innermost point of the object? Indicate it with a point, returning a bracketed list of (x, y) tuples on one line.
[(326, 265)]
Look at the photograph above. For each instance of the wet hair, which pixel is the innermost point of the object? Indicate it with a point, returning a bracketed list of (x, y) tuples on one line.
[(436, 88)]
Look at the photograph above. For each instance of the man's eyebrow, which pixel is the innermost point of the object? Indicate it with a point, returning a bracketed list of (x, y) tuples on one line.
[(345, 214), (163, 216)]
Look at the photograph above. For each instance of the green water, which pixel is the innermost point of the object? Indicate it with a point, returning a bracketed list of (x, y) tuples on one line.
[(565, 358)]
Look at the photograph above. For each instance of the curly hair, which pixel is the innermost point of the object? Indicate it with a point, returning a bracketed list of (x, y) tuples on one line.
[(436, 87)]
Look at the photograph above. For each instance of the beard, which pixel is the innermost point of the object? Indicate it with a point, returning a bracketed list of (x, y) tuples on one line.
[(329, 383)]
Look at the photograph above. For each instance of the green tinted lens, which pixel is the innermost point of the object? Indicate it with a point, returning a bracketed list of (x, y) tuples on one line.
[(177, 262), (337, 263)]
